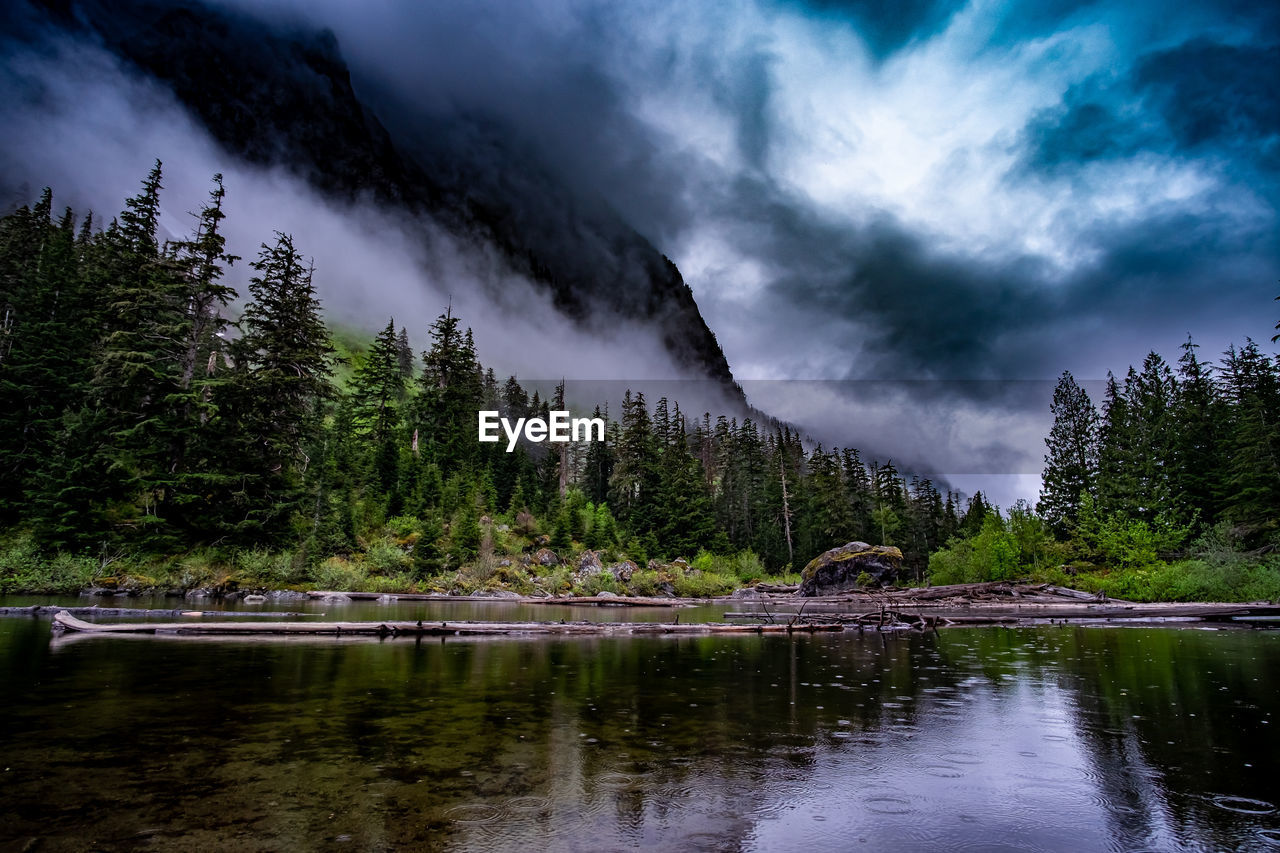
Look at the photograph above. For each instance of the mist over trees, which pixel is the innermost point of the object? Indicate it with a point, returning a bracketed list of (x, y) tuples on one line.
[(137, 414)]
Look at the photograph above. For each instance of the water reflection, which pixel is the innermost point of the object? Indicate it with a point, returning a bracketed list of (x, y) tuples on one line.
[(1027, 739)]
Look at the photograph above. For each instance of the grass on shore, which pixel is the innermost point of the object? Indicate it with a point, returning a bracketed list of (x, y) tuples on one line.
[(384, 565)]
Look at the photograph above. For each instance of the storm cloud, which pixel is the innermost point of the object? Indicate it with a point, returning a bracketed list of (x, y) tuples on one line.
[(952, 197)]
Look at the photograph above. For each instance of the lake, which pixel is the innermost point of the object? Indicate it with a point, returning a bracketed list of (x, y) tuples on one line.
[(1045, 738)]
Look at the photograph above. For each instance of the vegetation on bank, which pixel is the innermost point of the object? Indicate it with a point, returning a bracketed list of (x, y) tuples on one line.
[(148, 440), (385, 565)]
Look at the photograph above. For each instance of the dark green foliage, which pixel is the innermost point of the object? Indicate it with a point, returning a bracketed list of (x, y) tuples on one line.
[(1071, 465), (1252, 476), (127, 419), (283, 367)]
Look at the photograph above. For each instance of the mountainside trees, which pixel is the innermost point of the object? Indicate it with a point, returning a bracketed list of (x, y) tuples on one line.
[(134, 413)]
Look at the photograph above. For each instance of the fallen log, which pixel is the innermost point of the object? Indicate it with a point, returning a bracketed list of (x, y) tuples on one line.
[(588, 600), (65, 622), (612, 601)]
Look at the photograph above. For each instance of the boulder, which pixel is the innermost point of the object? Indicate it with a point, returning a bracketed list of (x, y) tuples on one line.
[(589, 563), (679, 563), (839, 569), (624, 570), (746, 592), (546, 557)]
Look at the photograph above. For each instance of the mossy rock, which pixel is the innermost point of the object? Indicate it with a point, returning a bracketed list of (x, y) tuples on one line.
[(849, 567)]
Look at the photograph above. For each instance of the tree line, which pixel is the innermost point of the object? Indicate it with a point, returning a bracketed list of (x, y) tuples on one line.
[(1176, 449), (135, 412)]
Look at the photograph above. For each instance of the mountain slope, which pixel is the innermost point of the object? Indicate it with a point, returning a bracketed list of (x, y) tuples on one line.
[(286, 99)]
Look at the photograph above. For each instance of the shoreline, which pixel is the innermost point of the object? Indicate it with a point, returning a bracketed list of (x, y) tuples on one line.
[(748, 609)]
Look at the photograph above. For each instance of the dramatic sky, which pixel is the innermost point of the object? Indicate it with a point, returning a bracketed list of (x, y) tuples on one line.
[(934, 207)]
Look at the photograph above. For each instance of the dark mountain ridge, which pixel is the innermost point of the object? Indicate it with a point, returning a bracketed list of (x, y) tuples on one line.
[(283, 97)]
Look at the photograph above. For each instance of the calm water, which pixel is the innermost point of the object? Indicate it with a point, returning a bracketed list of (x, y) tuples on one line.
[(1058, 739)]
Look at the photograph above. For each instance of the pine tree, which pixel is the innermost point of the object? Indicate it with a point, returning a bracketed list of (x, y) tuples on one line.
[(1117, 483), (634, 482), (1253, 477), (378, 386), (1198, 416), (450, 393), (284, 364), (197, 457), (1151, 400), (1071, 465), (404, 356), (138, 368), (47, 322)]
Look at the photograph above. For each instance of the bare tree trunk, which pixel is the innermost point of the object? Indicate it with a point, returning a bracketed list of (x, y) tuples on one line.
[(786, 515)]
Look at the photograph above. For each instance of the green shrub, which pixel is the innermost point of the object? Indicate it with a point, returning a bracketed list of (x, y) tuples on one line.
[(386, 558), (598, 583), (268, 568), (338, 574), (23, 568)]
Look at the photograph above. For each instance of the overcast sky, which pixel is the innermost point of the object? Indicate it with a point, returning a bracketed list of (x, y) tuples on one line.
[(918, 201), (896, 190)]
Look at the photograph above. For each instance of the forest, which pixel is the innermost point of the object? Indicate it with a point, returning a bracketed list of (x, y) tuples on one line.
[(149, 440)]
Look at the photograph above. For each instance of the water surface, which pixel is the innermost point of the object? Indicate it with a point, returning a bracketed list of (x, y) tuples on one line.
[(1045, 738)]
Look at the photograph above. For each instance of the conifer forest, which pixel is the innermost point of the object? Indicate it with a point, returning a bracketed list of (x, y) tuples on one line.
[(160, 429)]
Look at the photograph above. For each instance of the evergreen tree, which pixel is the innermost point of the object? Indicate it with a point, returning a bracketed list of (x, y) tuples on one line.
[(1117, 484), (1071, 465), (47, 319), (283, 360), (1253, 476), (450, 393), (404, 357), (1198, 415), (1151, 400), (378, 387)]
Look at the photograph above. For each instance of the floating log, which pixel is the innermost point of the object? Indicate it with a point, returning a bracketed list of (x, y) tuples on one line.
[(1029, 612), (65, 622), (613, 601), (51, 610), (579, 600)]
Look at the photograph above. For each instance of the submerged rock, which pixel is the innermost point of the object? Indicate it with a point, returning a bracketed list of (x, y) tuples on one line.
[(840, 569)]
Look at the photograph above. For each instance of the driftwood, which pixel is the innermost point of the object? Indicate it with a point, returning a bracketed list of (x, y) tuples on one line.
[(994, 590), (588, 600), (783, 588), (932, 613), (66, 622), (52, 609)]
